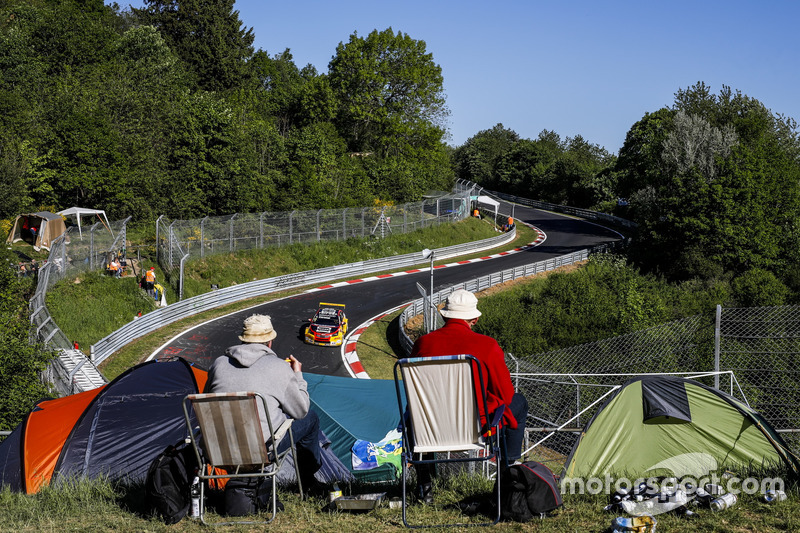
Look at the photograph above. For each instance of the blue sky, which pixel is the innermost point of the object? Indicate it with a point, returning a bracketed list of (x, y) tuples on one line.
[(589, 68)]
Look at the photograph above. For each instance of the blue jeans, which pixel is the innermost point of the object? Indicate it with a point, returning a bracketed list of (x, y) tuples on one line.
[(512, 438), (306, 440)]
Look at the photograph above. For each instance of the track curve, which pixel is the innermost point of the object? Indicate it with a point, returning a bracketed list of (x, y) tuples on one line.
[(207, 341)]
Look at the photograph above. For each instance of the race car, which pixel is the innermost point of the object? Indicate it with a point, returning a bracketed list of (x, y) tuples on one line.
[(328, 327)]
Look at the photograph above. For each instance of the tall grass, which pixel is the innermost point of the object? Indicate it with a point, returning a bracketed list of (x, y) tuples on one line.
[(103, 506), (227, 269), (91, 306)]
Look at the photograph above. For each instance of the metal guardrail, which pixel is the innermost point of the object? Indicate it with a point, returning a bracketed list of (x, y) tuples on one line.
[(575, 211), (164, 316), (417, 307)]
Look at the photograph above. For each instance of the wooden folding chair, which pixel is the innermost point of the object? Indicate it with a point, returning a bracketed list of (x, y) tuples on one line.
[(441, 408), (233, 440)]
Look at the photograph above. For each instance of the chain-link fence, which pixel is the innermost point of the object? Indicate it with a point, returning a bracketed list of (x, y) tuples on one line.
[(750, 353), (70, 255), (181, 240)]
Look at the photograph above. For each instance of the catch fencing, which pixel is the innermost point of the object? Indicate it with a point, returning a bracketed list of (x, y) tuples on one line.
[(180, 240), (750, 353), (69, 256)]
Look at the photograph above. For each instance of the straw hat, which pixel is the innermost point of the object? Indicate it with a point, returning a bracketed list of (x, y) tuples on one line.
[(461, 304), (257, 328)]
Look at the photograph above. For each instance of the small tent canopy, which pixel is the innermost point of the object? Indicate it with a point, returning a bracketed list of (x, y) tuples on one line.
[(486, 200), (39, 229), (77, 213), (671, 426)]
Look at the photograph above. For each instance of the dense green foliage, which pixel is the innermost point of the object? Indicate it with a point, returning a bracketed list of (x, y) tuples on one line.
[(20, 362), (570, 171), (168, 110), (712, 182), (606, 298)]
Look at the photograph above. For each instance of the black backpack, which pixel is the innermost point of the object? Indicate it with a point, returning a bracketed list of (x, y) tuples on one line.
[(528, 490), (168, 483)]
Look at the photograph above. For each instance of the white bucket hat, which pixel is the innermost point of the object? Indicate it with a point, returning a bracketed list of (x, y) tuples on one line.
[(461, 304), (258, 328)]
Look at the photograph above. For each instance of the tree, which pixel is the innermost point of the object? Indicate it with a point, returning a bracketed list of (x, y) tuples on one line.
[(22, 362), (714, 184), (207, 35), (390, 93), (477, 159)]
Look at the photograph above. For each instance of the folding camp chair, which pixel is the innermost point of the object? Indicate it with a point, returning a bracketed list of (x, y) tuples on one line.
[(440, 415), (232, 440)]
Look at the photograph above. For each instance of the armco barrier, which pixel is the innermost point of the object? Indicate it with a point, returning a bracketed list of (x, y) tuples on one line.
[(161, 317), (483, 283)]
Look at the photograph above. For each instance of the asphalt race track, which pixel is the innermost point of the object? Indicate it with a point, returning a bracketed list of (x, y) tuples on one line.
[(203, 343)]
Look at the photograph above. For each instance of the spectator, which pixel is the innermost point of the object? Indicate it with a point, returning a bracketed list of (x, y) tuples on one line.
[(253, 366), (456, 337)]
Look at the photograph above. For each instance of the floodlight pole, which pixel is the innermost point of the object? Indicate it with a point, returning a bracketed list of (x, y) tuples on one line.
[(429, 253)]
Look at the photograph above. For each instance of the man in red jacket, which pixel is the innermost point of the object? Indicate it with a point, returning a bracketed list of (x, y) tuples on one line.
[(456, 337)]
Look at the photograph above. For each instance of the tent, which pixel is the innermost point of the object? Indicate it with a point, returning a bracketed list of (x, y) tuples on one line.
[(39, 229), (355, 409), (116, 430), (486, 200), (77, 213), (670, 426)]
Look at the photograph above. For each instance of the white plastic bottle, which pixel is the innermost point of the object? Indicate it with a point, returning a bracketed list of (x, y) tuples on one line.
[(195, 493)]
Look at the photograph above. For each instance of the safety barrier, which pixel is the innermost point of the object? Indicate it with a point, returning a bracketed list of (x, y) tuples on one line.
[(161, 317)]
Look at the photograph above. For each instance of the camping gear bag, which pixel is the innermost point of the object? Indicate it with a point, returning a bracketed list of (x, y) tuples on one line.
[(247, 496), (528, 490), (168, 482)]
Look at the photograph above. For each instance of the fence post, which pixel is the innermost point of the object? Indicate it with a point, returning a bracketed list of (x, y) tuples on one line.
[(158, 244), (405, 218), (291, 220), (344, 223), (230, 242), (171, 240), (363, 221), (261, 230), (202, 236), (716, 345), (319, 230), (180, 279)]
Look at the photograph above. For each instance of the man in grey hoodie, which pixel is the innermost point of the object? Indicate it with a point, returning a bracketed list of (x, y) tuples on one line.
[(253, 366)]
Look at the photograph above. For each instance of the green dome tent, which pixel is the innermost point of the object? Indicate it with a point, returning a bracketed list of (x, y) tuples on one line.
[(671, 426)]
